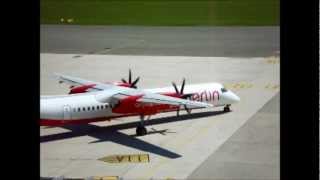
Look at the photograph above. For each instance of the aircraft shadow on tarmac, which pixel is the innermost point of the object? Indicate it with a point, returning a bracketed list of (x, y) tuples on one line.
[(111, 133)]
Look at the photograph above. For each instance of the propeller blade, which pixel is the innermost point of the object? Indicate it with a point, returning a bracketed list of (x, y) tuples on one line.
[(129, 76), (135, 82), (123, 80), (175, 87), (182, 86)]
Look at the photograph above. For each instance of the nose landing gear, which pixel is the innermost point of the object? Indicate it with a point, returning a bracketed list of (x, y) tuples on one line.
[(141, 129), (227, 108)]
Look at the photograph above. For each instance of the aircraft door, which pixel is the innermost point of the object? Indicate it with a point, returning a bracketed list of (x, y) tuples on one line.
[(66, 112)]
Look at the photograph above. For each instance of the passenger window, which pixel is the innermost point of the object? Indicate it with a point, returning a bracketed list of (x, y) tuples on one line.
[(92, 108), (88, 108), (106, 105), (79, 109), (98, 107), (102, 106), (84, 109)]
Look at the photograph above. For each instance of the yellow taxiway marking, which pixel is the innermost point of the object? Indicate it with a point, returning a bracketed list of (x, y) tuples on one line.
[(126, 158), (105, 178), (246, 85), (273, 60), (276, 87), (272, 87), (240, 85)]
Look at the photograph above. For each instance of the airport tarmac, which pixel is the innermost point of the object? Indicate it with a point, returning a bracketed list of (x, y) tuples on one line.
[(164, 41), (252, 152), (178, 147)]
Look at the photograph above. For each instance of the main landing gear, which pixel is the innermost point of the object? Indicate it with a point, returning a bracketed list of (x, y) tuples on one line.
[(227, 108), (141, 129)]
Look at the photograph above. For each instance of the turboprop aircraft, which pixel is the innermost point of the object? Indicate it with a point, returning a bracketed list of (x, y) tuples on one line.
[(90, 101)]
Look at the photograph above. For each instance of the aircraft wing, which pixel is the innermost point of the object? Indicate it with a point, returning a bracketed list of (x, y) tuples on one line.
[(74, 81), (119, 93), (110, 92), (162, 99)]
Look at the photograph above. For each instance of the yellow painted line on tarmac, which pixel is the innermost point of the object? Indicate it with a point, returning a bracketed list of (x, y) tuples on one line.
[(276, 87), (272, 86), (235, 86), (105, 178), (239, 85), (273, 60), (126, 158)]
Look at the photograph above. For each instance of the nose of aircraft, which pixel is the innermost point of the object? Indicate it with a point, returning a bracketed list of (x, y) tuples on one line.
[(233, 97)]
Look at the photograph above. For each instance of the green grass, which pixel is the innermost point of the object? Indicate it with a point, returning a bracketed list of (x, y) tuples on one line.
[(162, 12)]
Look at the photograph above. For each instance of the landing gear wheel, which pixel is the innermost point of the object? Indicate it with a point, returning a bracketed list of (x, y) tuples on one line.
[(226, 108), (141, 130)]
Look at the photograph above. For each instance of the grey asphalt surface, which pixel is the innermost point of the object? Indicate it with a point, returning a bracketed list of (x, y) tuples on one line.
[(171, 41), (252, 152)]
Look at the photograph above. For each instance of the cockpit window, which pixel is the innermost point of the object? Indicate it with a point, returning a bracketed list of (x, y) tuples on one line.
[(223, 90)]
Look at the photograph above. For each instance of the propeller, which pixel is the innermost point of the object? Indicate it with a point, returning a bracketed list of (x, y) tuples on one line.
[(132, 84), (181, 95)]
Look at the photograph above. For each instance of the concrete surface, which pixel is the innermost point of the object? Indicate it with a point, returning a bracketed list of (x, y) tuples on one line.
[(184, 142), (252, 152), (170, 41)]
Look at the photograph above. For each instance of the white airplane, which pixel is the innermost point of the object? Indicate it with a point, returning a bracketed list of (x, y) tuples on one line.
[(93, 101)]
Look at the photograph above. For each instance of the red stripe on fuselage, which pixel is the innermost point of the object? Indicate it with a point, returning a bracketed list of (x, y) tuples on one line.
[(61, 122)]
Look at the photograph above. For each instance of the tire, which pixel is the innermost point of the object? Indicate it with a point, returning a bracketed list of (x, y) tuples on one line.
[(141, 131), (226, 109)]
